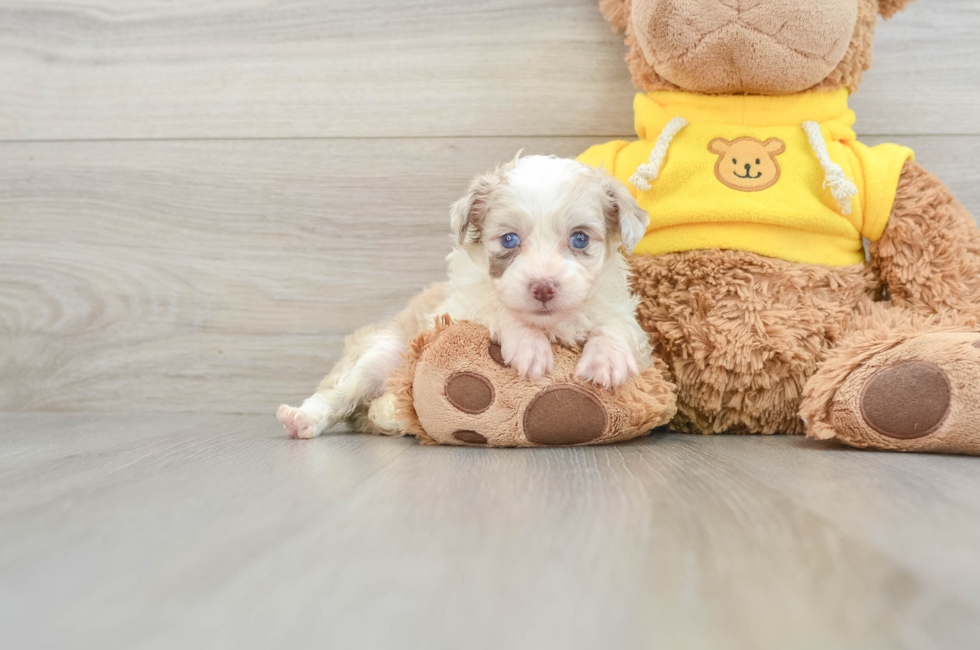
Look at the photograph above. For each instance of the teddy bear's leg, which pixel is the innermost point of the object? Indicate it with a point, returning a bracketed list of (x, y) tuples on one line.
[(456, 388), (929, 255), (899, 382), (742, 333)]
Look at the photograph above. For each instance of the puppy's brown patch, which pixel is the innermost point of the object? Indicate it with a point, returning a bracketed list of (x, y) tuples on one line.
[(499, 262)]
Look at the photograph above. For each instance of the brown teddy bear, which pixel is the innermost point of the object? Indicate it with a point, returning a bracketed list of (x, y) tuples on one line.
[(765, 311), (753, 277)]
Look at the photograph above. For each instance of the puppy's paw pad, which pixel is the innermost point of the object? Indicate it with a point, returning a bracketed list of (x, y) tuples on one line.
[(296, 423)]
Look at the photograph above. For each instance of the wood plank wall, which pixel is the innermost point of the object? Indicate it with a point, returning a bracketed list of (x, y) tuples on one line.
[(198, 199)]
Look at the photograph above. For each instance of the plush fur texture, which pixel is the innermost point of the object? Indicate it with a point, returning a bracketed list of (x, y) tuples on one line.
[(929, 254), (881, 336), (760, 48), (848, 71), (645, 402), (742, 333)]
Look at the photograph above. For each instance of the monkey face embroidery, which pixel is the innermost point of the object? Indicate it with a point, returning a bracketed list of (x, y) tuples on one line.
[(747, 164)]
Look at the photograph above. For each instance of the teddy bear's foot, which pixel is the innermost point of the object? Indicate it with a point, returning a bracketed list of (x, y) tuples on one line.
[(920, 395), (455, 388)]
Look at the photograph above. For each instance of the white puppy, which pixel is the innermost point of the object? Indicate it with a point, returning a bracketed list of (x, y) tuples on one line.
[(536, 260)]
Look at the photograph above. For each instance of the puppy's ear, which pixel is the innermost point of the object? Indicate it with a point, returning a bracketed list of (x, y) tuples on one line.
[(467, 216), (623, 213), (616, 12), (889, 8)]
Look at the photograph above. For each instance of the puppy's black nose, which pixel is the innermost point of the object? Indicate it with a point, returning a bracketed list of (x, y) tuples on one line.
[(544, 290), (748, 167)]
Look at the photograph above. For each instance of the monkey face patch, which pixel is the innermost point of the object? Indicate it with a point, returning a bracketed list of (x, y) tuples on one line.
[(747, 164)]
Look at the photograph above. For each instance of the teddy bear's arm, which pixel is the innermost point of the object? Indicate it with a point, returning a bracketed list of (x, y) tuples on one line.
[(929, 254)]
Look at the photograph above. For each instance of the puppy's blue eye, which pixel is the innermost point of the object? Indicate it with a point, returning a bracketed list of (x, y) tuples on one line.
[(510, 240), (579, 240)]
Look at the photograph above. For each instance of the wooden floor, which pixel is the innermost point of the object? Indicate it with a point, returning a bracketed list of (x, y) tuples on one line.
[(198, 531)]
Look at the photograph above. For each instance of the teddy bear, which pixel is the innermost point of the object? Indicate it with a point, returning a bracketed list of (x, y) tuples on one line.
[(793, 280), (756, 288)]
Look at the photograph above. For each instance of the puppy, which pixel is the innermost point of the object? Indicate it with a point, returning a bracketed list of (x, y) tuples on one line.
[(535, 260)]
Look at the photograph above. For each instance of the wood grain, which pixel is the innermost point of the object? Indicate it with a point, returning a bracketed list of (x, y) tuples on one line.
[(112, 69), (163, 531), (223, 276)]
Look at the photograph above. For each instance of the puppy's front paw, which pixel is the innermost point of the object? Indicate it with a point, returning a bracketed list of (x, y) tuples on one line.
[(606, 362), (529, 352), (297, 423)]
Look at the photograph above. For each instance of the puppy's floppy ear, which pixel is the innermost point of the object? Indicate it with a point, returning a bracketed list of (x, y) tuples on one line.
[(466, 217), (616, 12), (889, 8), (623, 213)]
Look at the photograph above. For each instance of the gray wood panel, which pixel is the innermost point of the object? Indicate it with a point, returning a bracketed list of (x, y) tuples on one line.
[(223, 276), (169, 531), (109, 69)]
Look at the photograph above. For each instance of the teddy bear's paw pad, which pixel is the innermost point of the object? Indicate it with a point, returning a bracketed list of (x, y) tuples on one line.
[(497, 354), (564, 415), (906, 401), (469, 392), (470, 437), (921, 395)]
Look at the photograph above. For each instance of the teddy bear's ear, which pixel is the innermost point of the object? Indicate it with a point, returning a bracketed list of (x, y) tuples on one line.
[(889, 8), (719, 146), (617, 12), (774, 146)]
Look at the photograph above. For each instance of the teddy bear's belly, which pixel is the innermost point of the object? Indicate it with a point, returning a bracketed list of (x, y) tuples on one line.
[(742, 333)]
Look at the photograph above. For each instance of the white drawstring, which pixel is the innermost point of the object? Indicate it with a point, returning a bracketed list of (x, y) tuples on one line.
[(649, 171), (842, 187)]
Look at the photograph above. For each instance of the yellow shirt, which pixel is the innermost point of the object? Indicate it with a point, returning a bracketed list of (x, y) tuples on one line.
[(743, 175)]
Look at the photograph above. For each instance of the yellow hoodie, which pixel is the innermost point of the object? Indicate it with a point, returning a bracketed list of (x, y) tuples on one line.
[(783, 177)]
